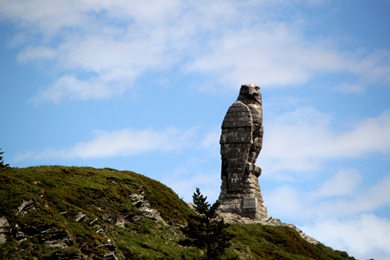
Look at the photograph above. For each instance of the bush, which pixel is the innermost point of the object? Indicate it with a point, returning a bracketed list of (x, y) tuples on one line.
[(2, 164), (205, 230)]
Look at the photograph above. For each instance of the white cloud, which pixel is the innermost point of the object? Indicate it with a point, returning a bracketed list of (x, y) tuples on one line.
[(350, 88), (342, 184), (348, 197), (125, 142), (46, 15), (365, 236), (36, 53), (342, 216), (70, 87), (114, 41), (278, 54), (233, 42), (303, 139)]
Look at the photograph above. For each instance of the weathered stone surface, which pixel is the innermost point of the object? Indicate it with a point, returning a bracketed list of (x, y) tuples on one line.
[(4, 229), (25, 207), (110, 256), (143, 205), (80, 216), (241, 142)]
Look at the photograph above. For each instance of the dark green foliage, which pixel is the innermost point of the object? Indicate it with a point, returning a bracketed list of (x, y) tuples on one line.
[(205, 230), (2, 164)]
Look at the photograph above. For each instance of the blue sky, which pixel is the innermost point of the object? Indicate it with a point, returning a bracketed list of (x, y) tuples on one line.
[(145, 86)]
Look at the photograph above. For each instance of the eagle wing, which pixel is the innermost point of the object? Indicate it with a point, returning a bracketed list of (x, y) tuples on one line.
[(236, 141)]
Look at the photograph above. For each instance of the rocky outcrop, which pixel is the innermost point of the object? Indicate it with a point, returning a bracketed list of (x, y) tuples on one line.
[(25, 207), (144, 207), (57, 237)]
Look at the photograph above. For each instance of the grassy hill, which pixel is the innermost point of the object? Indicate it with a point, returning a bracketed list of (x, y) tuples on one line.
[(56, 212)]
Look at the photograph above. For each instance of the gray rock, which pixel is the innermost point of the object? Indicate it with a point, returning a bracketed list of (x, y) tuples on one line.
[(80, 216), (56, 238), (25, 207), (4, 229), (146, 210), (110, 256)]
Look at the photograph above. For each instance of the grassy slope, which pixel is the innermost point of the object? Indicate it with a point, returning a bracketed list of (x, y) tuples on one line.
[(60, 193)]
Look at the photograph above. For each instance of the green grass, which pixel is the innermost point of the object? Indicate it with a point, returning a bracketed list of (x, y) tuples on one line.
[(60, 193), (279, 242)]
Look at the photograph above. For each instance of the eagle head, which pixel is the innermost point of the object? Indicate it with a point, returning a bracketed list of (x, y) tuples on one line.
[(250, 91)]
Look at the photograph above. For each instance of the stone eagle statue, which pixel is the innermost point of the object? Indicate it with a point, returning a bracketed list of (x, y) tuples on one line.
[(241, 142), (242, 137)]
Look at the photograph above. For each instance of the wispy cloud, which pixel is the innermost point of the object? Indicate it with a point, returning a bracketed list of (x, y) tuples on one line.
[(279, 54), (70, 87), (347, 198), (303, 139), (344, 183), (363, 236), (124, 142), (346, 88)]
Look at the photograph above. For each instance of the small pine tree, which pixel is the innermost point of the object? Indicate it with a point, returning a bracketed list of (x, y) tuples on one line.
[(205, 230), (2, 164)]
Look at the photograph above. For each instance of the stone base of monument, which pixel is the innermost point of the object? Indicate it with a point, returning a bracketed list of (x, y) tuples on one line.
[(245, 207), (248, 202)]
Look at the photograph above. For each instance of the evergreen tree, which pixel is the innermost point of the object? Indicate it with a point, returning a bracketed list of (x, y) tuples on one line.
[(2, 164), (205, 230)]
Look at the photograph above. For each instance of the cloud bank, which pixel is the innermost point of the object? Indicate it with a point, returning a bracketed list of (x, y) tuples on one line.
[(100, 49), (339, 212), (303, 139)]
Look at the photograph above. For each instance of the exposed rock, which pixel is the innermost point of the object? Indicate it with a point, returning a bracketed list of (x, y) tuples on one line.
[(152, 214), (56, 238), (137, 199), (25, 207), (80, 216), (241, 142), (18, 234), (120, 221), (4, 229), (110, 256), (94, 222), (51, 236), (143, 205), (63, 256), (110, 247)]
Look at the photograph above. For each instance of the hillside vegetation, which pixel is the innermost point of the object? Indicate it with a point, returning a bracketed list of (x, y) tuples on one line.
[(56, 212)]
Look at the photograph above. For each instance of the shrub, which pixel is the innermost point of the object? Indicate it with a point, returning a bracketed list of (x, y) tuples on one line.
[(2, 164), (205, 230)]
